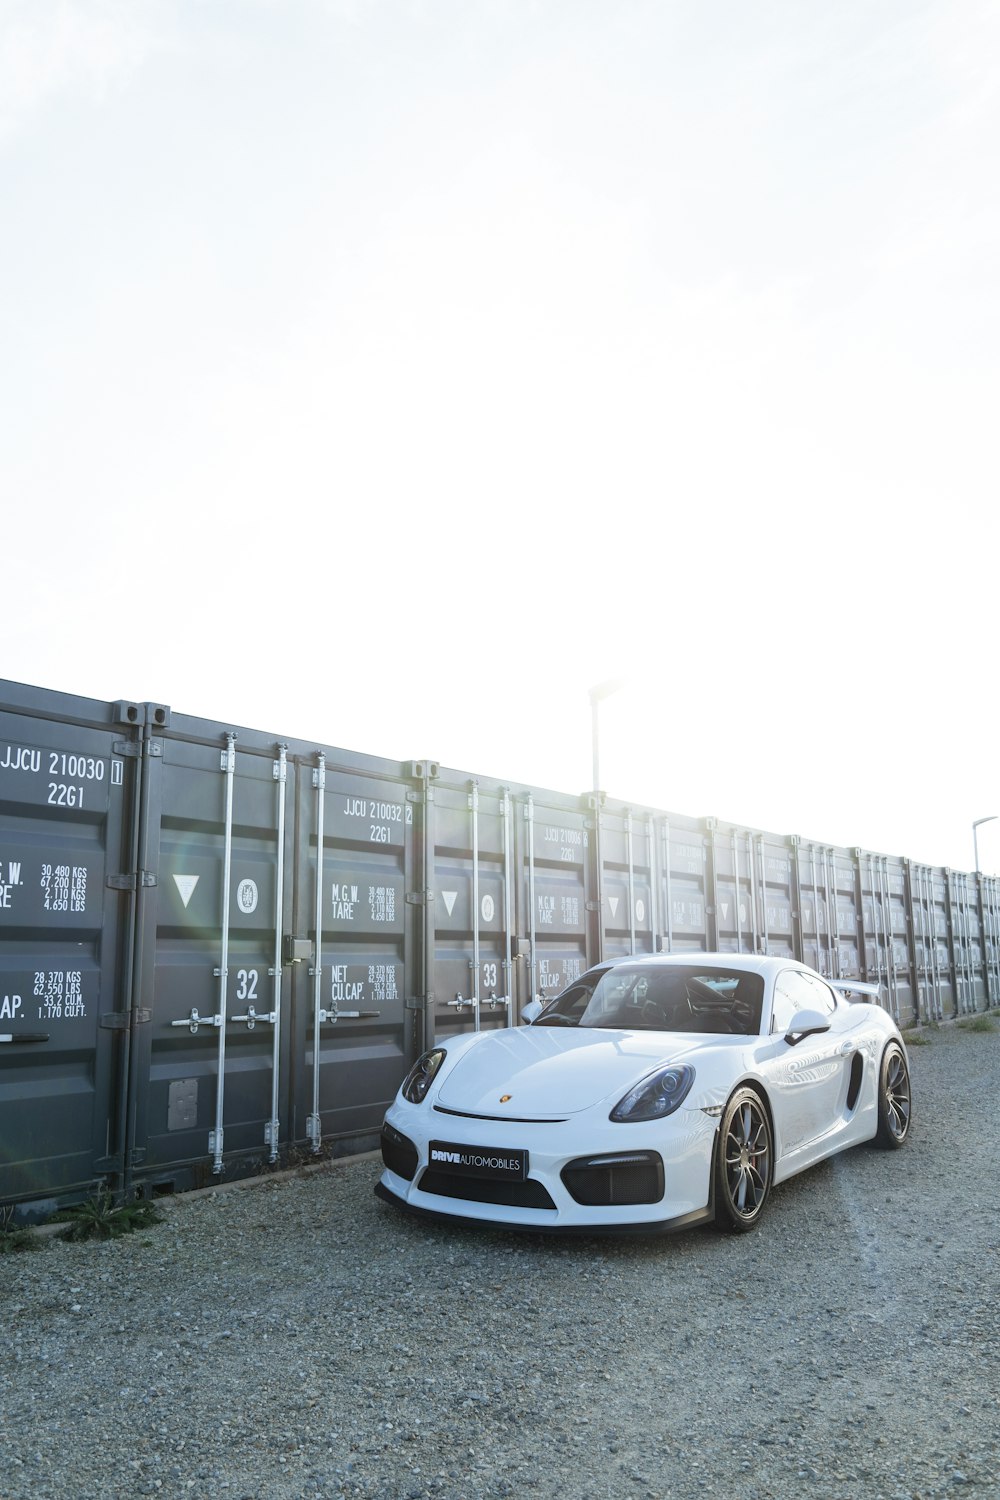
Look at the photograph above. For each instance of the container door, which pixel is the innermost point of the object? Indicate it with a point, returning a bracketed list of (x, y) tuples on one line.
[(685, 895), (555, 844), (207, 1088), (472, 908), (774, 872), (844, 881), (628, 882), (354, 1033), (67, 888)]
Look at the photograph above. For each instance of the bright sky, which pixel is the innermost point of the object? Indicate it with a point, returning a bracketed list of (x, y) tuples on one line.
[(388, 372)]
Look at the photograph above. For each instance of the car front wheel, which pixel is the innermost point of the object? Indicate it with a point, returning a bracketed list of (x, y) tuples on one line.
[(893, 1099), (744, 1162)]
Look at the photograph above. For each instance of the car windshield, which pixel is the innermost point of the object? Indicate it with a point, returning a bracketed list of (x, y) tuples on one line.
[(675, 997)]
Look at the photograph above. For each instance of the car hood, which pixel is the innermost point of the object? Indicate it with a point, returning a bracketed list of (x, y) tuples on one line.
[(550, 1074)]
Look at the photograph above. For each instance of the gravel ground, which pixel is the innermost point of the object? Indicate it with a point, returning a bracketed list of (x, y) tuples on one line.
[(296, 1338)]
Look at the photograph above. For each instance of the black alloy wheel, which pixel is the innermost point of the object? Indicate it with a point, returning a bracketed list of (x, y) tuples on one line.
[(893, 1099), (744, 1162)]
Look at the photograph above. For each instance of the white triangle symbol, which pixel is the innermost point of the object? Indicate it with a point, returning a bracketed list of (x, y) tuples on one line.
[(613, 903), (725, 910), (185, 885), (450, 897)]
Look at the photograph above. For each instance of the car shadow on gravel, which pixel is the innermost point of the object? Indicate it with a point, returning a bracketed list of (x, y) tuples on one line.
[(809, 1200)]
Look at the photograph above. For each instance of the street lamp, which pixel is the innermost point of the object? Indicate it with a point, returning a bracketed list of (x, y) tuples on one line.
[(975, 838), (602, 690)]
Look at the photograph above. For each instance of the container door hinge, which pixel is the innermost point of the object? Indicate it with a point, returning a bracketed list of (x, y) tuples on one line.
[(117, 1020), (108, 1164), (419, 898), (129, 882), (131, 749), (415, 1002)]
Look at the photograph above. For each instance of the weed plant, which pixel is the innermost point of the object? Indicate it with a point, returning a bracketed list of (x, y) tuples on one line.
[(100, 1218), (978, 1023), (14, 1238)]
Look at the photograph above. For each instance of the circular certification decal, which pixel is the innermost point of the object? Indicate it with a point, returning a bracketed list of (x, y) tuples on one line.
[(246, 896), (640, 910), (488, 908)]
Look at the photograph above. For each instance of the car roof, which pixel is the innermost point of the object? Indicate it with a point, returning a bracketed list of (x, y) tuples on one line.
[(766, 965)]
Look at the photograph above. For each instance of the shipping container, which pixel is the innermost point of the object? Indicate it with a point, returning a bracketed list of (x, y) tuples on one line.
[(274, 950), (68, 797)]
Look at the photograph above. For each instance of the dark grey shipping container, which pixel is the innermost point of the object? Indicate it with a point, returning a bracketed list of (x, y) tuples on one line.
[(276, 942), (751, 890), (68, 792)]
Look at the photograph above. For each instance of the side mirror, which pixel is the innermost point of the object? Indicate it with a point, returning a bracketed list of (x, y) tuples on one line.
[(531, 1012), (806, 1023)]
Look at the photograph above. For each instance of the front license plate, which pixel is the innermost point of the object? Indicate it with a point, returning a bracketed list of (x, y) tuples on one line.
[(478, 1161)]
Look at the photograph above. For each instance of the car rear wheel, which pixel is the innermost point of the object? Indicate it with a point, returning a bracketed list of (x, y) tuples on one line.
[(893, 1099), (744, 1163)]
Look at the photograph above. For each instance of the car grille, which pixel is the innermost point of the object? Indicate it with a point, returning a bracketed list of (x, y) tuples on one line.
[(399, 1153), (527, 1194), (615, 1181), (466, 1114)]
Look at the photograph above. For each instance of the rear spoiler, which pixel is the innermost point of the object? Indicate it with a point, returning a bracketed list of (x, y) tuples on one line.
[(855, 986)]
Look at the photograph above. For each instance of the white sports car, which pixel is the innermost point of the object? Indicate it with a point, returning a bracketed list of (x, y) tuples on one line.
[(654, 1092)]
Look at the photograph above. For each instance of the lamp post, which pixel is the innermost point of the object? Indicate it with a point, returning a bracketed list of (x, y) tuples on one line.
[(601, 691), (975, 837)]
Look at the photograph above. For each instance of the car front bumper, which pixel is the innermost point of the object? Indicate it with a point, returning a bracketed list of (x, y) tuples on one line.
[(684, 1142)]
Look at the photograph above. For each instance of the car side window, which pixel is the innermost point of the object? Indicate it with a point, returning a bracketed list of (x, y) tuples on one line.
[(783, 1006), (795, 991), (822, 997), (573, 1002)]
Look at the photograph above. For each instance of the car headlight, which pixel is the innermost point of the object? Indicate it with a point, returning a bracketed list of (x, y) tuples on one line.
[(656, 1096), (420, 1077)]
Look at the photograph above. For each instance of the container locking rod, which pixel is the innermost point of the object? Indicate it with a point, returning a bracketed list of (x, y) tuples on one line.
[(347, 1015), (252, 1017), (194, 1020)]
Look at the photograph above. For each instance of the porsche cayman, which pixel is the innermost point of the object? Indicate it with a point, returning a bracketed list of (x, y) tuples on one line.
[(654, 1093)]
